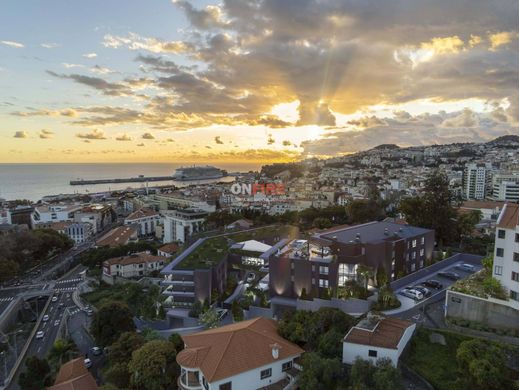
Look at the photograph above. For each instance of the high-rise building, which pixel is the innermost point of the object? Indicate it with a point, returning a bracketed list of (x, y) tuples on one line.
[(505, 186), (476, 181)]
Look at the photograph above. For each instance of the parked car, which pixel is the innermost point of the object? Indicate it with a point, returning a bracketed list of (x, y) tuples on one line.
[(56, 323), (412, 293), (449, 275), (54, 298), (96, 351), (426, 292), (88, 363), (45, 318), (40, 334), (466, 267), (433, 284)]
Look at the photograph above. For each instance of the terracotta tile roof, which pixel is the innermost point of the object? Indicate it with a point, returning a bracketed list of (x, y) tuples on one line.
[(232, 349), (74, 375), (479, 204), (169, 248), (141, 213), (387, 333), (136, 258), (509, 217), (118, 236)]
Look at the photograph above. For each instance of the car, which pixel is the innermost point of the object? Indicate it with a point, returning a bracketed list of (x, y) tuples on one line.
[(40, 334), (251, 276), (426, 292), (433, 284), (449, 275), (89, 312), (45, 318), (466, 267), (56, 323), (96, 351), (54, 299), (88, 363), (412, 293)]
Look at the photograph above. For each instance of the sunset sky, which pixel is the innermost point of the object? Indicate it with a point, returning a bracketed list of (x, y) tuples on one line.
[(237, 80)]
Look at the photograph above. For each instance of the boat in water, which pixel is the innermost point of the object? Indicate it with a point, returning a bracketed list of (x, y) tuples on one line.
[(198, 173)]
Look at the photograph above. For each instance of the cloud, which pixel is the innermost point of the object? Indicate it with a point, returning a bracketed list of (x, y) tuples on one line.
[(69, 66), (100, 69), (16, 45), (287, 143), (105, 87), (123, 137), (90, 55), (95, 134), (141, 144), (21, 134), (204, 19), (467, 118), (148, 136), (499, 39), (372, 121), (135, 42), (218, 140), (270, 140), (46, 134), (49, 45)]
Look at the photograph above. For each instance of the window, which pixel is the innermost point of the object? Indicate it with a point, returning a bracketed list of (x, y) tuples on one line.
[(500, 252), (422, 252), (422, 240), (323, 270), (414, 243), (346, 272), (516, 257), (516, 237), (323, 283), (515, 276), (514, 295), (501, 233), (286, 366), (226, 386), (413, 255), (498, 270), (372, 353), (413, 267), (266, 373)]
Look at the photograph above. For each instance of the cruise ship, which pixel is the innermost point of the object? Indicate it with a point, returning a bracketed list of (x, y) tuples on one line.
[(198, 173)]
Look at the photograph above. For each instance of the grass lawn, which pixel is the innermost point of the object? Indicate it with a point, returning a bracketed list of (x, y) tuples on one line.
[(435, 362)]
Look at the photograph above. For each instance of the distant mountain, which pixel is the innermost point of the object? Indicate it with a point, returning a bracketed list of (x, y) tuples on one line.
[(386, 146), (505, 139)]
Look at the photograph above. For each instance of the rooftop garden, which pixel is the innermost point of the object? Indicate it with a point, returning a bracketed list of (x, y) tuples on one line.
[(481, 284), (213, 250)]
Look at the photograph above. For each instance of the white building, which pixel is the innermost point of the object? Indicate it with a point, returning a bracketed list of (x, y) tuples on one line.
[(179, 225), (505, 186), (135, 265), (506, 254), (246, 355), (79, 232), (377, 337), (54, 213), (99, 215), (5, 217), (145, 219), (476, 181)]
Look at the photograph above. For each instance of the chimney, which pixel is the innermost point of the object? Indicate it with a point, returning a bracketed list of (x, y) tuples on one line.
[(275, 350)]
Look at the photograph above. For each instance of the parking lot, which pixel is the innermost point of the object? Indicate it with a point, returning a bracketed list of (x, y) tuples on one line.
[(432, 294)]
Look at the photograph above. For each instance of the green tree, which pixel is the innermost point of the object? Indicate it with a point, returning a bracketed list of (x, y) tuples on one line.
[(153, 366), (118, 375), (322, 223), (112, 319), (177, 341), (123, 347), (61, 351), (37, 374), (361, 211), (482, 365), (209, 318), (387, 376), (237, 311), (150, 334), (319, 373)]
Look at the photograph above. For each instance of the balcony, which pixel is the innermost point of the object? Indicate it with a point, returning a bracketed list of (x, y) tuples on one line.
[(188, 380)]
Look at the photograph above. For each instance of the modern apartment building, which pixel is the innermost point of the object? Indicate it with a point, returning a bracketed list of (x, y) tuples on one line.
[(329, 260), (506, 255), (179, 225), (476, 181), (505, 186), (145, 219)]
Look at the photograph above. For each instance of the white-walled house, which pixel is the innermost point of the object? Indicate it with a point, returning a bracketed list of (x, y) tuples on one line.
[(145, 219), (375, 338), (246, 355), (132, 266), (506, 253)]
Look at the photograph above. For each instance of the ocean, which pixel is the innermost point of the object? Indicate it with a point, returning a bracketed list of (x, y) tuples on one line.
[(34, 181)]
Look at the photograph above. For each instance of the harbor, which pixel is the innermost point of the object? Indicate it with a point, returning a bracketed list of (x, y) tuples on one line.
[(139, 179)]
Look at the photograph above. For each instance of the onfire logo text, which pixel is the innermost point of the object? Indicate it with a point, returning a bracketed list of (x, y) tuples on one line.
[(258, 188)]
